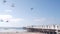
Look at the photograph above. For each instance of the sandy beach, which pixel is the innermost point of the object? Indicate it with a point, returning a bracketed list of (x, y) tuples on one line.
[(20, 33)]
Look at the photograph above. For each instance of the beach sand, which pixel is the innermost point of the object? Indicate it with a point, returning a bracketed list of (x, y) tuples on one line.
[(20, 33)]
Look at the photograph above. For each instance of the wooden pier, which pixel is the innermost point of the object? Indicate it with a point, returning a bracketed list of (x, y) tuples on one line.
[(47, 30)]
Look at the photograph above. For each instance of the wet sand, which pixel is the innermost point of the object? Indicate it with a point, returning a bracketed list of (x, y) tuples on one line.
[(20, 33)]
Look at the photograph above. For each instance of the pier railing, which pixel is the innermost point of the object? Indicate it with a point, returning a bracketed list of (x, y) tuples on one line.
[(57, 27)]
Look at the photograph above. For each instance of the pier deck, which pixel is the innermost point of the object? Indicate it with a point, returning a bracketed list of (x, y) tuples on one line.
[(46, 30)]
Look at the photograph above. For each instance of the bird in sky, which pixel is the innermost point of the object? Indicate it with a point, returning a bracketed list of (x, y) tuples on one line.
[(7, 21), (31, 9), (13, 5), (1, 20), (4, 1)]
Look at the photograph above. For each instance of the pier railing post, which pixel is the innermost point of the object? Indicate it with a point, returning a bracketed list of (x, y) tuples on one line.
[(57, 31)]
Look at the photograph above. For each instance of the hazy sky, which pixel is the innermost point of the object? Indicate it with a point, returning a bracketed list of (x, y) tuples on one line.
[(44, 12)]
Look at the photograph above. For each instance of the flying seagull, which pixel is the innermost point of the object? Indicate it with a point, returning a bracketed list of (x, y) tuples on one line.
[(12, 5), (31, 9), (4, 1), (1, 20), (7, 21)]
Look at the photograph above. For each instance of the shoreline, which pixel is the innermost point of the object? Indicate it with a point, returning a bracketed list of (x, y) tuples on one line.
[(20, 33)]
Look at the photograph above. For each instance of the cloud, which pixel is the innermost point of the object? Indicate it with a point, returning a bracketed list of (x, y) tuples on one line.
[(16, 19), (47, 20), (40, 20), (8, 10), (5, 16), (12, 22), (10, 18)]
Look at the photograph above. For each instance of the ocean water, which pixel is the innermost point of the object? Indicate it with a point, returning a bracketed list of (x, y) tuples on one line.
[(12, 30)]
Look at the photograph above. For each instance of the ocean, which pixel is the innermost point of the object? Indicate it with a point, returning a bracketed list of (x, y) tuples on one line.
[(12, 30)]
